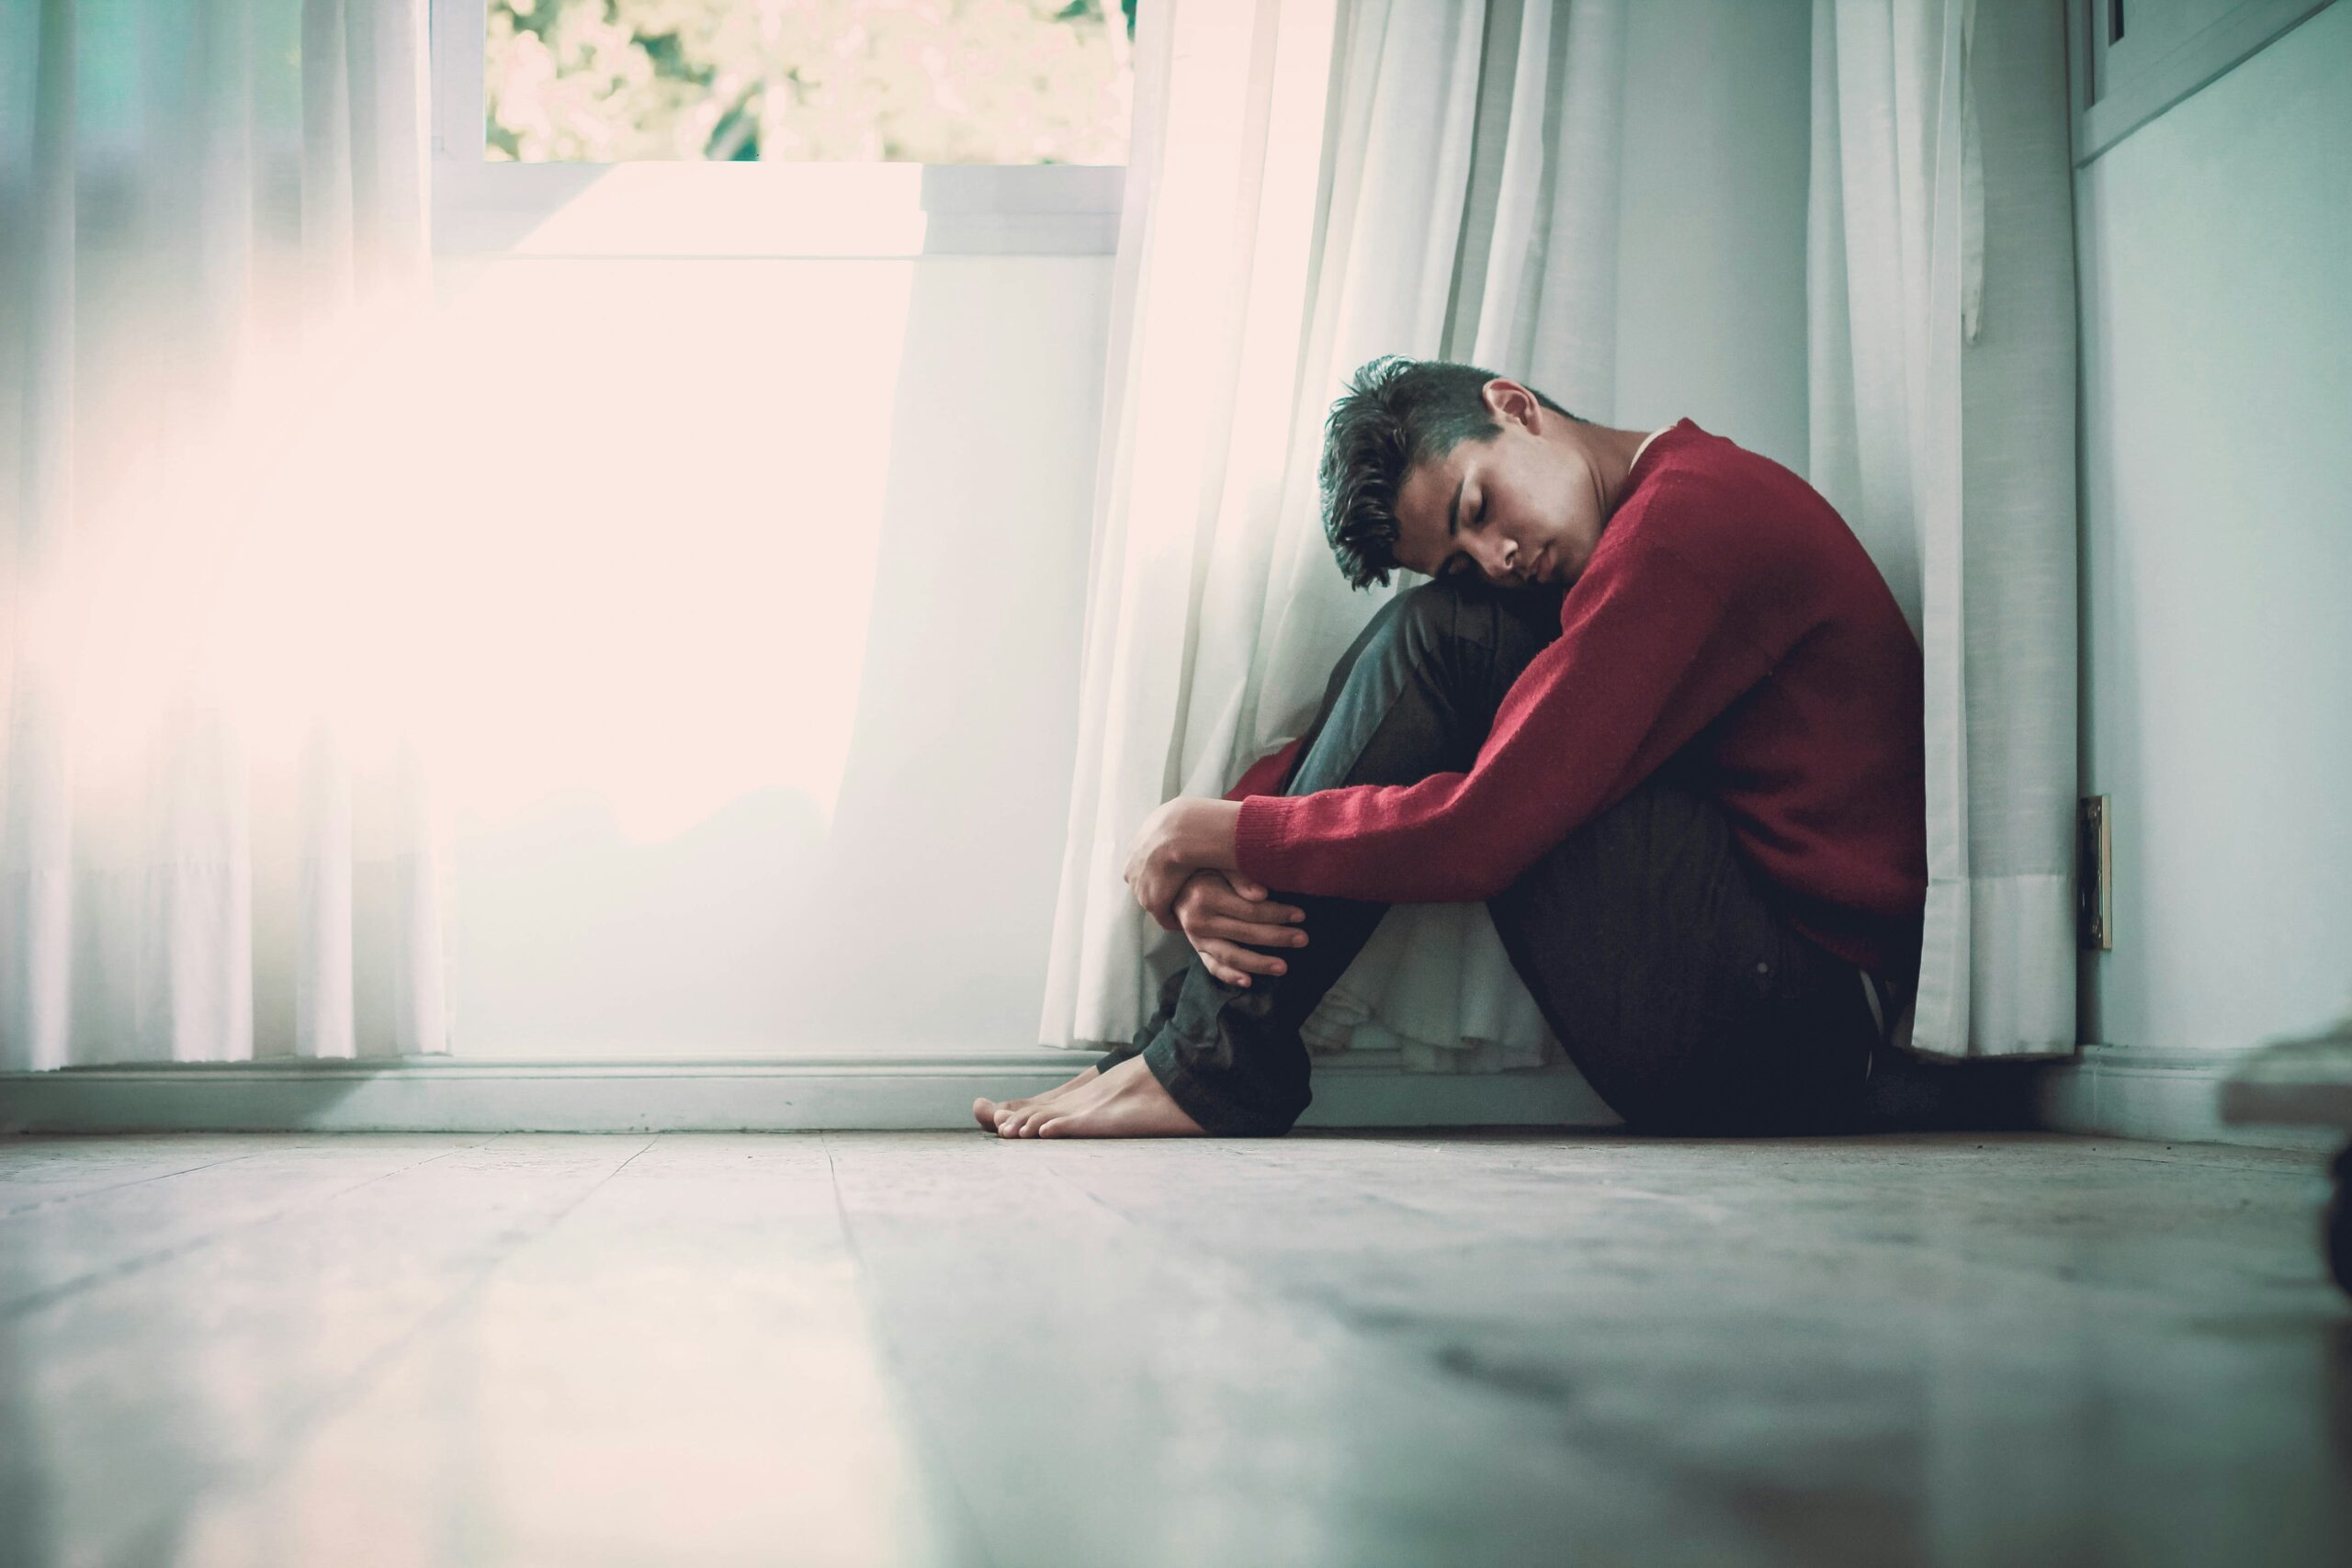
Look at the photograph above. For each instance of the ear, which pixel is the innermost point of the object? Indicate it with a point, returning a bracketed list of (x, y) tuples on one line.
[(1513, 404)]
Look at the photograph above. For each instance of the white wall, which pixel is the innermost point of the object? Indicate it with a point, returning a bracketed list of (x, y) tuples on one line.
[(2215, 269), (1710, 238), (716, 807)]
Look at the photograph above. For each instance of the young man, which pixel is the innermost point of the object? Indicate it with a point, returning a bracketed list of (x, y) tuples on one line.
[(1656, 708)]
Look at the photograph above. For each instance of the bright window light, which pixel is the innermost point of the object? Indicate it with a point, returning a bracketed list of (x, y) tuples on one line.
[(808, 80)]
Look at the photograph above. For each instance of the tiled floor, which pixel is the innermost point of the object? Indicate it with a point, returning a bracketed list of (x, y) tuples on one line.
[(941, 1348)]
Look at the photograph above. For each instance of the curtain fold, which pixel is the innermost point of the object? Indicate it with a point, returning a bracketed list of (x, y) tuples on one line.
[(215, 841), (1941, 311), (1467, 207), (1311, 185)]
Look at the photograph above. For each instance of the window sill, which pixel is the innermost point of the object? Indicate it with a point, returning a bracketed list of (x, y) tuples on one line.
[(772, 211)]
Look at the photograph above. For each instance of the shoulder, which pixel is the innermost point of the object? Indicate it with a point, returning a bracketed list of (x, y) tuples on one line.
[(1741, 521)]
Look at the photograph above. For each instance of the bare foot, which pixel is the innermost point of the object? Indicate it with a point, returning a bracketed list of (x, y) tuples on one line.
[(1126, 1103), (988, 1113), (1014, 1115)]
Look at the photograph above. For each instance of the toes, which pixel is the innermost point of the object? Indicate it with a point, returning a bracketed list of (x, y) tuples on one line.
[(1058, 1112), (984, 1111), (1094, 1121)]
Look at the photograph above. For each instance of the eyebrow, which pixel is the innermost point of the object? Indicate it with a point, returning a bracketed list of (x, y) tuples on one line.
[(1452, 524)]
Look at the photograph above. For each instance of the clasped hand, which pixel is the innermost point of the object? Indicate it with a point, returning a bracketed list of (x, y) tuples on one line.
[(1182, 869), (1182, 836)]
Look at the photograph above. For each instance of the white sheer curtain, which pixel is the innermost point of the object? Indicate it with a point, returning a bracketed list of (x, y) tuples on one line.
[(1941, 309), (1312, 185), (213, 839)]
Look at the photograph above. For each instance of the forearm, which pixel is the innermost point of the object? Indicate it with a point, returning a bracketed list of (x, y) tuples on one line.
[(1184, 836), (1204, 835)]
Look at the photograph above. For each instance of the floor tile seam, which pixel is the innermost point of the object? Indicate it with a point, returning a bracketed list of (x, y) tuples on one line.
[(307, 1140), (1724, 1206), (1492, 1157), (1320, 1311), (1751, 1201), (119, 1186), (933, 1446), (1239, 1278), (123, 1269), (340, 1392), (2284, 1166), (1913, 1180), (1231, 1280), (2103, 1296)]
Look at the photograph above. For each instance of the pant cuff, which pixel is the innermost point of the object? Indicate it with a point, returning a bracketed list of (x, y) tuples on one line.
[(1217, 1114)]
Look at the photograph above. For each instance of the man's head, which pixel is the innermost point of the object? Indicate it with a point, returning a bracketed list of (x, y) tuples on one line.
[(1441, 467)]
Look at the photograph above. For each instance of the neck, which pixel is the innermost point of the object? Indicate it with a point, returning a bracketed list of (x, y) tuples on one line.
[(1612, 460)]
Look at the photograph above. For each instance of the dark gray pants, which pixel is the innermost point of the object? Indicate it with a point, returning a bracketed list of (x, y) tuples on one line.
[(1687, 1003)]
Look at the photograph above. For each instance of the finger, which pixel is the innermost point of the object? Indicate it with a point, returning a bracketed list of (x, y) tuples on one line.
[(1213, 959), (1253, 891), (1234, 904), (1237, 909), (1227, 907), (1253, 934), (1242, 959)]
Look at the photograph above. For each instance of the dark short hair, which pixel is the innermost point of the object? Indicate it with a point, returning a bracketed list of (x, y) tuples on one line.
[(1396, 414)]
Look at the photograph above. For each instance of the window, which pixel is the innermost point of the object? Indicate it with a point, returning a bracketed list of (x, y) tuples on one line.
[(855, 81), (740, 128), (2131, 59)]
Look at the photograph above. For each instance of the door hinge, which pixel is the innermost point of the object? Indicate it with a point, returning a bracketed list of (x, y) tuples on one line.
[(2095, 875)]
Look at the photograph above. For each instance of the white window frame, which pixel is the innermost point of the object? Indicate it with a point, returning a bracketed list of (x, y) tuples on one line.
[(2118, 87), (781, 209)]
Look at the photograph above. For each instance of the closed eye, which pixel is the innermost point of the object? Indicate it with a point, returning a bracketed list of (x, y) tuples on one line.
[(1463, 566)]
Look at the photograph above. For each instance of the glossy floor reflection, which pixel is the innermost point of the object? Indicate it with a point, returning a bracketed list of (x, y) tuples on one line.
[(942, 1348)]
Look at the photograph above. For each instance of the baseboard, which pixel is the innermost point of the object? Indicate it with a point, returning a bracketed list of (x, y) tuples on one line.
[(2174, 1096), (2114, 1090), (833, 1093)]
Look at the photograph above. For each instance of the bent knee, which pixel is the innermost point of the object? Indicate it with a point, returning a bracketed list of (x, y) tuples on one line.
[(1503, 628), (1429, 620)]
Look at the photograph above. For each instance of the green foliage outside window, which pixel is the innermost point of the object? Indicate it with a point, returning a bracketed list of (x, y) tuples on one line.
[(850, 81)]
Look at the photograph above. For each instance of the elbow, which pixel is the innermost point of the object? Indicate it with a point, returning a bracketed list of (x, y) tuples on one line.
[(1473, 879)]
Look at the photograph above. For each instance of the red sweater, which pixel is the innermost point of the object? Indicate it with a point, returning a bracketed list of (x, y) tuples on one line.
[(1726, 609)]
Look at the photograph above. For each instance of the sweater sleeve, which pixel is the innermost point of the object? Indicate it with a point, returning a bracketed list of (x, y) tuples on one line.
[(1265, 775), (1647, 657)]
